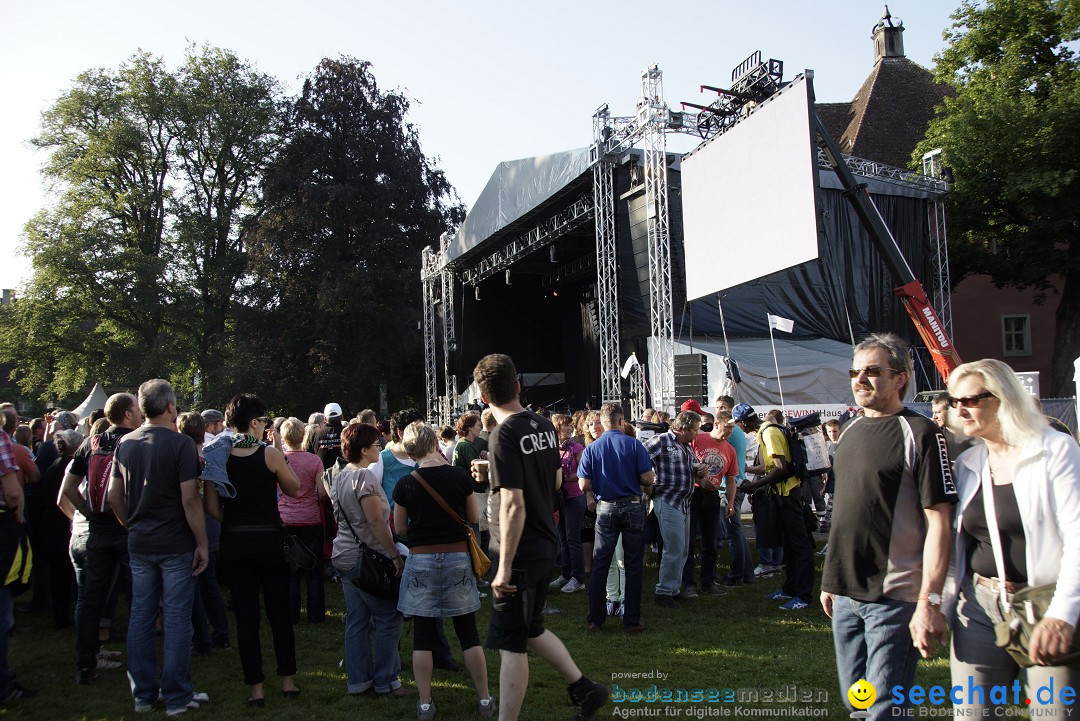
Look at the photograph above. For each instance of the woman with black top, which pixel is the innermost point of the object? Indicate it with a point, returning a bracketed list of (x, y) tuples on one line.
[(1017, 524), (251, 544), (438, 580)]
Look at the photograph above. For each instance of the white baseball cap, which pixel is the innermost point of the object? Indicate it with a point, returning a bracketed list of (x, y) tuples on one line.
[(331, 410)]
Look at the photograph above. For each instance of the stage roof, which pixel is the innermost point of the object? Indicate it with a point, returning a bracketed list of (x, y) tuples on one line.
[(516, 188)]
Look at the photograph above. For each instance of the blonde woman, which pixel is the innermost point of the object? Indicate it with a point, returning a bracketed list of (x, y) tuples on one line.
[(1033, 476)]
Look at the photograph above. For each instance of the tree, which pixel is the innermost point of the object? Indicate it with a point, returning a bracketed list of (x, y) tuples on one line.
[(97, 303), (137, 263), (226, 124), (348, 205), (1011, 135)]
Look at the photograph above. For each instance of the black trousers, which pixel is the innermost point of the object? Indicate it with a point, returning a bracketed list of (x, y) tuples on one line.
[(253, 561), (798, 548), (704, 516), (106, 557)]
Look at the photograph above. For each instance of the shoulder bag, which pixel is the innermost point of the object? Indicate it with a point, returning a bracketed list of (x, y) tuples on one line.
[(480, 562), (1023, 611)]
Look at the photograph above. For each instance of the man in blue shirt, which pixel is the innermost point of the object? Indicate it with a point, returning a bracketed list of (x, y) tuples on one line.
[(616, 468), (676, 466)]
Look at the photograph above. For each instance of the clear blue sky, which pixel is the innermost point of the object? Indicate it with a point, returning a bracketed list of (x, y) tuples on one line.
[(491, 81)]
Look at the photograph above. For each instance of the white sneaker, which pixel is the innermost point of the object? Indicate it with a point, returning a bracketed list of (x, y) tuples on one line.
[(197, 701), (573, 585), (763, 570), (558, 582)]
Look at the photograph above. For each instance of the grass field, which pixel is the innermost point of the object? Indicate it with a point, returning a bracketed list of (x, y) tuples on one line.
[(738, 644)]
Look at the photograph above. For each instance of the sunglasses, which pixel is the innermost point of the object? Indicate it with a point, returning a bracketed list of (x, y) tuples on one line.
[(265, 420), (969, 401), (871, 371)]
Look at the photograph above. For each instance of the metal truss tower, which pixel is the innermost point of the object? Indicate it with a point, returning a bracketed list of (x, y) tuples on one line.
[(449, 344), (429, 278), (935, 217), (607, 269), (652, 117), (638, 402)]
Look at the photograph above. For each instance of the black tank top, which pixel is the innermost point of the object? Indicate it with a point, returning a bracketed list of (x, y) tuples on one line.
[(256, 492)]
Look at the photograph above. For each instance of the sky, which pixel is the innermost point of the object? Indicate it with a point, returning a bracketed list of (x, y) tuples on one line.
[(489, 81)]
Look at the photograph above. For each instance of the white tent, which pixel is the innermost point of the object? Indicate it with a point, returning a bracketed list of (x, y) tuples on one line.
[(94, 401)]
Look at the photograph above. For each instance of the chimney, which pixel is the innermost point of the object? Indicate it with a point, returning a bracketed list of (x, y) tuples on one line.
[(888, 37)]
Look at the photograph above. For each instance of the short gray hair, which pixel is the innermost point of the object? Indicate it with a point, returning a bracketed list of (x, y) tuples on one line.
[(155, 396), (685, 421), (67, 442), (896, 347), (419, 439)]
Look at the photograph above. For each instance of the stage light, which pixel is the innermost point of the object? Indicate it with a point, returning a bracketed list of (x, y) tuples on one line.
[(476, 292), (508, 277), (551, 254), (555, 293)]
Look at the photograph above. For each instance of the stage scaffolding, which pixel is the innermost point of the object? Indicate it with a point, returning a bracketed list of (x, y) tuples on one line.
[(612, 137)]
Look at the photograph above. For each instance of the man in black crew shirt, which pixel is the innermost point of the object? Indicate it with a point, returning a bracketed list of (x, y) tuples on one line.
[(106, 552), (525, 468), (889, 547)]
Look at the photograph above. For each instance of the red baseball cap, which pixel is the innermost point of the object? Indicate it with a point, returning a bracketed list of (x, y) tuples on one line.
[(692, 405)]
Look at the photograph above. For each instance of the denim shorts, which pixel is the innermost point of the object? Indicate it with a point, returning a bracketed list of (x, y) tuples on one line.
[(438, 585)]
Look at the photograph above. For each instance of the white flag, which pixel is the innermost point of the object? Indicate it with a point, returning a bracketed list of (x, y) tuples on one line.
[(629, 365), (779, 323)]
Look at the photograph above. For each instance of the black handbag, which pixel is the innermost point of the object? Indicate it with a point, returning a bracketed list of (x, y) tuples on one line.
[(298, 557), (373, 573)]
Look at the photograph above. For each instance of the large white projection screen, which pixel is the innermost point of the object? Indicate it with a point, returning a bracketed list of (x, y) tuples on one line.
[(749, 197)]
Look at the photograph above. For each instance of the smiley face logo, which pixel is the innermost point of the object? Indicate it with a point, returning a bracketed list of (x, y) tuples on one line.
[(862, 694)]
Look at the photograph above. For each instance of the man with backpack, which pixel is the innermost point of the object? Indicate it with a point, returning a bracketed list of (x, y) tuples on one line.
[(779, 475), (106, 554)]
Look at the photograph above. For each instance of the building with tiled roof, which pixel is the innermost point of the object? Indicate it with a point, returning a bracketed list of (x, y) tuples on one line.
[(889, 115)]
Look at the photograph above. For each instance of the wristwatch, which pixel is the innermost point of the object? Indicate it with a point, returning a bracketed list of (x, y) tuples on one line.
[(934, 599)]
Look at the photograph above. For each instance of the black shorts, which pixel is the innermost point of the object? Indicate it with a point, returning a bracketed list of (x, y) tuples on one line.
[(521, 617)]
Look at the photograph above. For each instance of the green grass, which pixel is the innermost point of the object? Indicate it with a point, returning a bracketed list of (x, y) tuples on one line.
[(737, 641)]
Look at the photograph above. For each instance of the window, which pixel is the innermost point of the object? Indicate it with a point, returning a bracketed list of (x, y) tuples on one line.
[(1016, 335)]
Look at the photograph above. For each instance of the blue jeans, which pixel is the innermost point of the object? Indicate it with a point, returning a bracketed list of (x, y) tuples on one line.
[(7, 620), (614, 521), (364, 615), (675, 531), (573, 559), (873, 642), (160, 583), (742, 563)]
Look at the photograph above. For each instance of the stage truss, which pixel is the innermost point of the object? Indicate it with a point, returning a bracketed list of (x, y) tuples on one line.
[(752, 82)]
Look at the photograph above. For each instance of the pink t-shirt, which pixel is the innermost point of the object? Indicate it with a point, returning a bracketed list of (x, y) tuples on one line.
[(569, 452), (303, 509)]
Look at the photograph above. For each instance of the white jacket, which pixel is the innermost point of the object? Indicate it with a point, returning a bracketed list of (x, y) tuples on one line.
[(1047, 486)]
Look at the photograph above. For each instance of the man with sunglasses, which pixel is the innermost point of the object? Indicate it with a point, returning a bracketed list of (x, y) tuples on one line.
[(889, 546)]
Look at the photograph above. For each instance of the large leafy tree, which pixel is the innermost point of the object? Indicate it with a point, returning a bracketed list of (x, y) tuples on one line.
[(349, 203), (226, 124), (1011, 134), (136, 262)]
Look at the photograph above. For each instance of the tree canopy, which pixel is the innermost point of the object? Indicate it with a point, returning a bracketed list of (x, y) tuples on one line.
[(1011, 135), (207, 229)]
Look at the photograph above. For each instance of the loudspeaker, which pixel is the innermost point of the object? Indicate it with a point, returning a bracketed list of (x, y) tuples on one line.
[(692, 378)]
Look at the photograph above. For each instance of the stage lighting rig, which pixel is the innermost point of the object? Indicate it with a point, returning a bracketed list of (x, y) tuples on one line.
[(752, 81)]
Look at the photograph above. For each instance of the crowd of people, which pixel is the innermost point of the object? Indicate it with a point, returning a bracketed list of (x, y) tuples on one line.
[(932, 525)]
